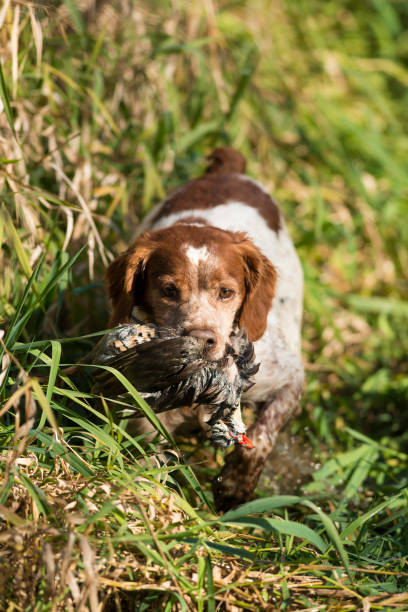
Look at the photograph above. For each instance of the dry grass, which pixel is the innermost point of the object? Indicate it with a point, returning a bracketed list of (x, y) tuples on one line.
[(66, 559)]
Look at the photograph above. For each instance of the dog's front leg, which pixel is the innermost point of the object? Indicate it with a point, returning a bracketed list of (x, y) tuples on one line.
[(238, 479)]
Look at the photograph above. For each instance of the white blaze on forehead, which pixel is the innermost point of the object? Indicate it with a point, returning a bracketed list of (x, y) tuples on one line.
[(197, 254)]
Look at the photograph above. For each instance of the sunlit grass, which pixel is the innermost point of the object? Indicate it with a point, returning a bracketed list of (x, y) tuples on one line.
[(103, 112)]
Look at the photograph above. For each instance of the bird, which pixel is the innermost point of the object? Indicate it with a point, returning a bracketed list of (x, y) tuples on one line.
[(170, 371)]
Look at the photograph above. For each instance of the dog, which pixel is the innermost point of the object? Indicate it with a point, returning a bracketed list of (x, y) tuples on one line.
[(213, 257)]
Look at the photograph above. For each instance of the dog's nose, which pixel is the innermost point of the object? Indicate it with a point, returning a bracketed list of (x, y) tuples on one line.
[(205, 334)]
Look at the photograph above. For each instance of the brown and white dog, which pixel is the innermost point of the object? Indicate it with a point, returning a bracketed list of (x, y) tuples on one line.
[(212, 257)]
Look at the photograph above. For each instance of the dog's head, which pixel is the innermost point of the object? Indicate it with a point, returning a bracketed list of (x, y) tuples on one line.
[(198, 280)]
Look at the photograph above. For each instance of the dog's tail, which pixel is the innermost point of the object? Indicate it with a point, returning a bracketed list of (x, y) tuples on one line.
[(225, 160)]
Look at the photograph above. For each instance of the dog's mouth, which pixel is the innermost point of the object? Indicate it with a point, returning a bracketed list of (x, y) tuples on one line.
[(237, 351), (222, 358)]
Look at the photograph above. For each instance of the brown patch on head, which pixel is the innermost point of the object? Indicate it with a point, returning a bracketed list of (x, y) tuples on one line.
[(260, 281), (125, 278), (214, 189)]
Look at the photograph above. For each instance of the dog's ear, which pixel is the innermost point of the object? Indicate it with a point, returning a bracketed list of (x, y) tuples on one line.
[(260, 283), (125, 279)]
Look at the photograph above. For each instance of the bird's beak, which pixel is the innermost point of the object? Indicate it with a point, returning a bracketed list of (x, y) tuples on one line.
[(245, 441)]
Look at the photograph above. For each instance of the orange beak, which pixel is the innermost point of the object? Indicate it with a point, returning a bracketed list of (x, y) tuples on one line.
[(244, 441)]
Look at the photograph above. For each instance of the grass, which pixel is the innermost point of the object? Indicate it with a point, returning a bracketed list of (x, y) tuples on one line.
[(105, 108)]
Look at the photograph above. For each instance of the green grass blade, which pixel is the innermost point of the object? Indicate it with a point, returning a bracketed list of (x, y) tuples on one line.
[(211, 603), (266, 504), (377, 304), (361, 520), (285, 527), (225, 549), (56, 449), (333, 535), (36, 494), (55, 362), (45, 405), (6, 101), (76, 16), (144, 407), (360, 473)]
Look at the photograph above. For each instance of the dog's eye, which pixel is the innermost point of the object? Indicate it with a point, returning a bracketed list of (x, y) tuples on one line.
[(170, 291), (225, 293)]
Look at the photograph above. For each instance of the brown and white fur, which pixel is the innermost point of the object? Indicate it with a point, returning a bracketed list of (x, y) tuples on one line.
[(213, 256)]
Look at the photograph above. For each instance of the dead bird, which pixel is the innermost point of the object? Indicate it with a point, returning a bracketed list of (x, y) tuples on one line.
[(171, 371)]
